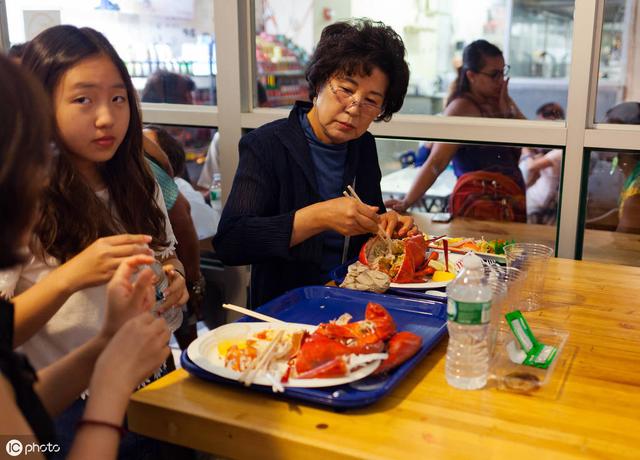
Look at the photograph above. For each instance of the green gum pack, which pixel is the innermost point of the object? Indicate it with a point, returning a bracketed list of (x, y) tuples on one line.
[(538, 354)]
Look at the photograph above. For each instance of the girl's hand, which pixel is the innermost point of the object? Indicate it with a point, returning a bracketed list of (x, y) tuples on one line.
[(127, 298), (137, 349), (398, 225), (176, 293), (396, 205), (348, 216), (99, 261)]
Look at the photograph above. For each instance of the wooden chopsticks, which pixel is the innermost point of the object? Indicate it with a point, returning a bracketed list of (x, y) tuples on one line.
[(381, 232), (253, 314), (261, 362)]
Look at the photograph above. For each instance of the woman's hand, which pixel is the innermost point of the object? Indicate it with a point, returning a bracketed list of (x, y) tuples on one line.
[(396, 205), (97, 263), (137, 349), (127, 298), (505, 104), (348, 216), (398, 225), (176, 293)]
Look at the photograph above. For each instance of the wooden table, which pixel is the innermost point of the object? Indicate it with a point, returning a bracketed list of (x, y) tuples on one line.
[(593, 410), (599, 245)]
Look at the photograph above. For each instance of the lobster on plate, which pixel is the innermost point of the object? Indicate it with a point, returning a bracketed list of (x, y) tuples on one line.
[(324, 353), (404, 260)]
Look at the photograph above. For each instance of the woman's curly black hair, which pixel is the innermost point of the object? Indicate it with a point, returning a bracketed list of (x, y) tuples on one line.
[(356, 47)]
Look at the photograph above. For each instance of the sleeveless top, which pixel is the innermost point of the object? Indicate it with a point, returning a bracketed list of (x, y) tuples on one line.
[(16, 369), (490, 158)]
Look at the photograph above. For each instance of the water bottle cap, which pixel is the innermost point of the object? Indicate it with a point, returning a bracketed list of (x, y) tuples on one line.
[(472, 261)]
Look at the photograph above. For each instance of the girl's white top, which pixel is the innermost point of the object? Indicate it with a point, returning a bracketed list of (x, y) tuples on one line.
[(80, 317)]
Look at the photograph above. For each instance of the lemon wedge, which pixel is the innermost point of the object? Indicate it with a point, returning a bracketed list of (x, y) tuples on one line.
[(440, 275)]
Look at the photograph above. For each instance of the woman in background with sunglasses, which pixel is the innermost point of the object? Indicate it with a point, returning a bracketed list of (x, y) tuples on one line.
[(480, 90), (286, 214)]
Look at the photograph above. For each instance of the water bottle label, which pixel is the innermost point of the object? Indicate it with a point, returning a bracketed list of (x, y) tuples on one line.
[(468, 312)]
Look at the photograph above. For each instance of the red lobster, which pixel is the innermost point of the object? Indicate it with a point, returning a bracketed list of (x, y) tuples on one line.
[(405, 263), (322, 353)]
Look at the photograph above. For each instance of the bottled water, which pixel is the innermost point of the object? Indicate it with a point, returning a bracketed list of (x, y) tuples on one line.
[(468, 311), (173, 316), (215, 191)]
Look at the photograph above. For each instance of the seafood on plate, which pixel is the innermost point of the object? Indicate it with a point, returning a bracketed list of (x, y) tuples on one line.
[(480, 246), (333, 349), (406, 260)]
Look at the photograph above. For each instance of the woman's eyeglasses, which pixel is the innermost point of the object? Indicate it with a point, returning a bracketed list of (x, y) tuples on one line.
[(347, 99), (499, 74)]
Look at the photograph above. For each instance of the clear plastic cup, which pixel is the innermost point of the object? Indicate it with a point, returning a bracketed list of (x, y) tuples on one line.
[(506, 285), (533, 260)]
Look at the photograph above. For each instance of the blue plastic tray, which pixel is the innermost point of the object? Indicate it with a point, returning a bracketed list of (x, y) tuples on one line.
[(316, 304), (338, 274)]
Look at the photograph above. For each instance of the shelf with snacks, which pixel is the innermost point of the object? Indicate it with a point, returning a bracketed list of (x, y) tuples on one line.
[(280, 65)]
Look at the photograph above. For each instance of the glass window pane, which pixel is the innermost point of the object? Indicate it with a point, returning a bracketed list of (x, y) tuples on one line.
[(535, 39), (168, 47), (612, 220), (619, 59), (475, 201)]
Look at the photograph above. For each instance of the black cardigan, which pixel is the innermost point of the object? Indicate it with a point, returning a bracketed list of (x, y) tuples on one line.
[(275, 178)]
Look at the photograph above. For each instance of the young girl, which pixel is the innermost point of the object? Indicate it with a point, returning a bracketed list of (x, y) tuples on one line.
[(128, 346), (100, 187)]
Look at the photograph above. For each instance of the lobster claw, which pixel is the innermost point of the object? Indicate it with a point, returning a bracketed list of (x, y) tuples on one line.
[(401, 347), (378, 315)]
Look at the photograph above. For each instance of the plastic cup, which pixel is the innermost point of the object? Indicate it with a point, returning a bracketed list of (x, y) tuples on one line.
[(533, 260), (506, 285)]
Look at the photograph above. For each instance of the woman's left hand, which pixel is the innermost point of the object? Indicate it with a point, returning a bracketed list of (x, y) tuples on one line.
[(176, 293), (397, 224)]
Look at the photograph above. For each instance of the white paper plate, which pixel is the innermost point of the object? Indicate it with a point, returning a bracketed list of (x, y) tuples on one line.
[(203, 352)]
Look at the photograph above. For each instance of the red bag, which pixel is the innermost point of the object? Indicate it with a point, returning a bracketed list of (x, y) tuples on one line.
[(486, 195)]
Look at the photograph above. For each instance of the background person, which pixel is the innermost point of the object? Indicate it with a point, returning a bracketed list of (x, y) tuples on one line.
[(541, 169), (480, 90), (286, 214)]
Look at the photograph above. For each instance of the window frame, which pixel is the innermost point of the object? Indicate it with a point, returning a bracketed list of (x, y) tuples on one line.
[(234, 25)]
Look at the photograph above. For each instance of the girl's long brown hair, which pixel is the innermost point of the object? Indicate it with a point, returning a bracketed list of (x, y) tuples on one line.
[(73, 216)]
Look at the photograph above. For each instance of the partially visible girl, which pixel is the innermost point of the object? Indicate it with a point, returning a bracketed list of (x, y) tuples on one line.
[(129, 344), (99, 205)]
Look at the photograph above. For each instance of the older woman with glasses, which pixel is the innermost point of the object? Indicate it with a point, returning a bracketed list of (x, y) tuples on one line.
[(286, 214), (480, 90)]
